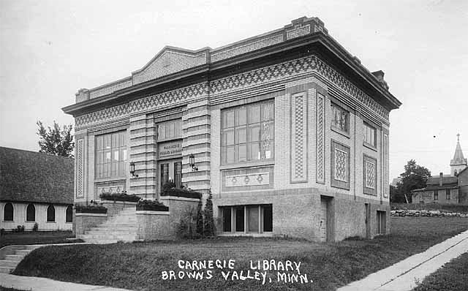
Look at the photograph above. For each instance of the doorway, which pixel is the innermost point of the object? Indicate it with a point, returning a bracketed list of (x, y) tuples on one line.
[(170, 170), (324, 220)]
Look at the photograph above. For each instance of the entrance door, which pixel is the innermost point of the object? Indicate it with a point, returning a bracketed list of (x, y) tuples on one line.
[(323, 220), (368, 218), (170, 170)]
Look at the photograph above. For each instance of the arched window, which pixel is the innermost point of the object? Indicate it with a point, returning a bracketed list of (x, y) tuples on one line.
[(69, 214), (31, 213), (51, 213), (8, 212)]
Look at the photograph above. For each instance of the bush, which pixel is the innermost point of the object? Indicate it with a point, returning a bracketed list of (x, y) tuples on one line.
[(169, 189), (123, 196), (208, 225), (2, 231), (92, 208), (151, 205), (187, 227), (35, 227), (19, 228)]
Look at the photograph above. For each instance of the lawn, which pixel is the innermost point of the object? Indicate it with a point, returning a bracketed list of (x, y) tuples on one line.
[(453, 276), (29, 238), (147, 266)]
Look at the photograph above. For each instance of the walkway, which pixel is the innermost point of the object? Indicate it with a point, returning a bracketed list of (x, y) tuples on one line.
[(43, 284), (406, 274)]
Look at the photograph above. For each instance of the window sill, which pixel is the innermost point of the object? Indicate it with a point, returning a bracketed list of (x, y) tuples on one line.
[(369, 146), (343, 133), (113, 179), (248, 165), (50, 222)]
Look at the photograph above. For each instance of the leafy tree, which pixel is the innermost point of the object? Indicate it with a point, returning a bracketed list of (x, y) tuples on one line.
[(56, 141), (414, 177)]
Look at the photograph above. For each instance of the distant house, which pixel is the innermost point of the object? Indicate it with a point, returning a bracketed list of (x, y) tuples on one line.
[(450, 189), (35, 188)]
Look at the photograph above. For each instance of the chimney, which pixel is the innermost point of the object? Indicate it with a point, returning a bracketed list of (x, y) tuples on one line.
[(441, 177), (379, 75)]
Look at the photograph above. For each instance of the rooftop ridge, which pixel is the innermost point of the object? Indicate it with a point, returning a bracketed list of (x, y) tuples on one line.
[(297, 28)]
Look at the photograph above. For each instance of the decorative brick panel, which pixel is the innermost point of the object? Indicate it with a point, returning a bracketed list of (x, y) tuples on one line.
[(299, 138), (320, 136), (80, 169)]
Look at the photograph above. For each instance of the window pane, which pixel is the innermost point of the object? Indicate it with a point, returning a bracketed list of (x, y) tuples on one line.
[(230, 157), (229, 121), (254, 151), (253, 219), (229, 137), (242, 153), (254, 114), (227, 219), (254, 133), (267, 113), (241, 116), (241, 135), (267, 218), (239, 218)]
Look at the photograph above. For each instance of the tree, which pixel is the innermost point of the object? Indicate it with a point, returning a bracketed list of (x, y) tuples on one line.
[(56, 141), (414, 177), (209, 227)]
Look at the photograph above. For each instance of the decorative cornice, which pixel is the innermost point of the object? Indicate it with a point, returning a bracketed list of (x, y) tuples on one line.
[(250, 79)]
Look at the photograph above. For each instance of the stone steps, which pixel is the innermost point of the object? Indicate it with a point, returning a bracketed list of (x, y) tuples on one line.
[(9, 263), (120, 227)]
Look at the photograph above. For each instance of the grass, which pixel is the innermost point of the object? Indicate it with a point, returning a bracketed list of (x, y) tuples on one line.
[(140, 266), (432, 206), (452, 277), (29, 238)]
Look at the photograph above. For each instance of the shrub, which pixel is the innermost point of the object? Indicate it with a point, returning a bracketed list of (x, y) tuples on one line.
[(187, 224), (91, 208), (123, 196), (19, 228), (151, 205), (169, 189), (200, 218), (35, 227), (208, 225), (2, 231)]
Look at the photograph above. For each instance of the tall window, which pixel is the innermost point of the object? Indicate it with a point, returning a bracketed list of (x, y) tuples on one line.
[(370, 135), (178, 174), (8, 212), (170, 129), (447, 194), (31, 213), (164, 174), (248, 133), (111, 155), (51, 213), (339, 118), (69, 214), (436, 195)]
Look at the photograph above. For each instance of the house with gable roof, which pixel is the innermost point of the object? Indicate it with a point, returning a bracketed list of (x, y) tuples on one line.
[(447, 189), (35, 188)]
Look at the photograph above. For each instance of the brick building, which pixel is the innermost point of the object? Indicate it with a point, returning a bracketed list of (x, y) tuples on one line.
[(288, 131)]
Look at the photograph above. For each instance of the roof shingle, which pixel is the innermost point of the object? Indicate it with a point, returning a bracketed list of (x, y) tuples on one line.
[(27, 176)]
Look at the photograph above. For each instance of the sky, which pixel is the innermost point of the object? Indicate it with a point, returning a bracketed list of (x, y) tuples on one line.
[(49, 49)]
